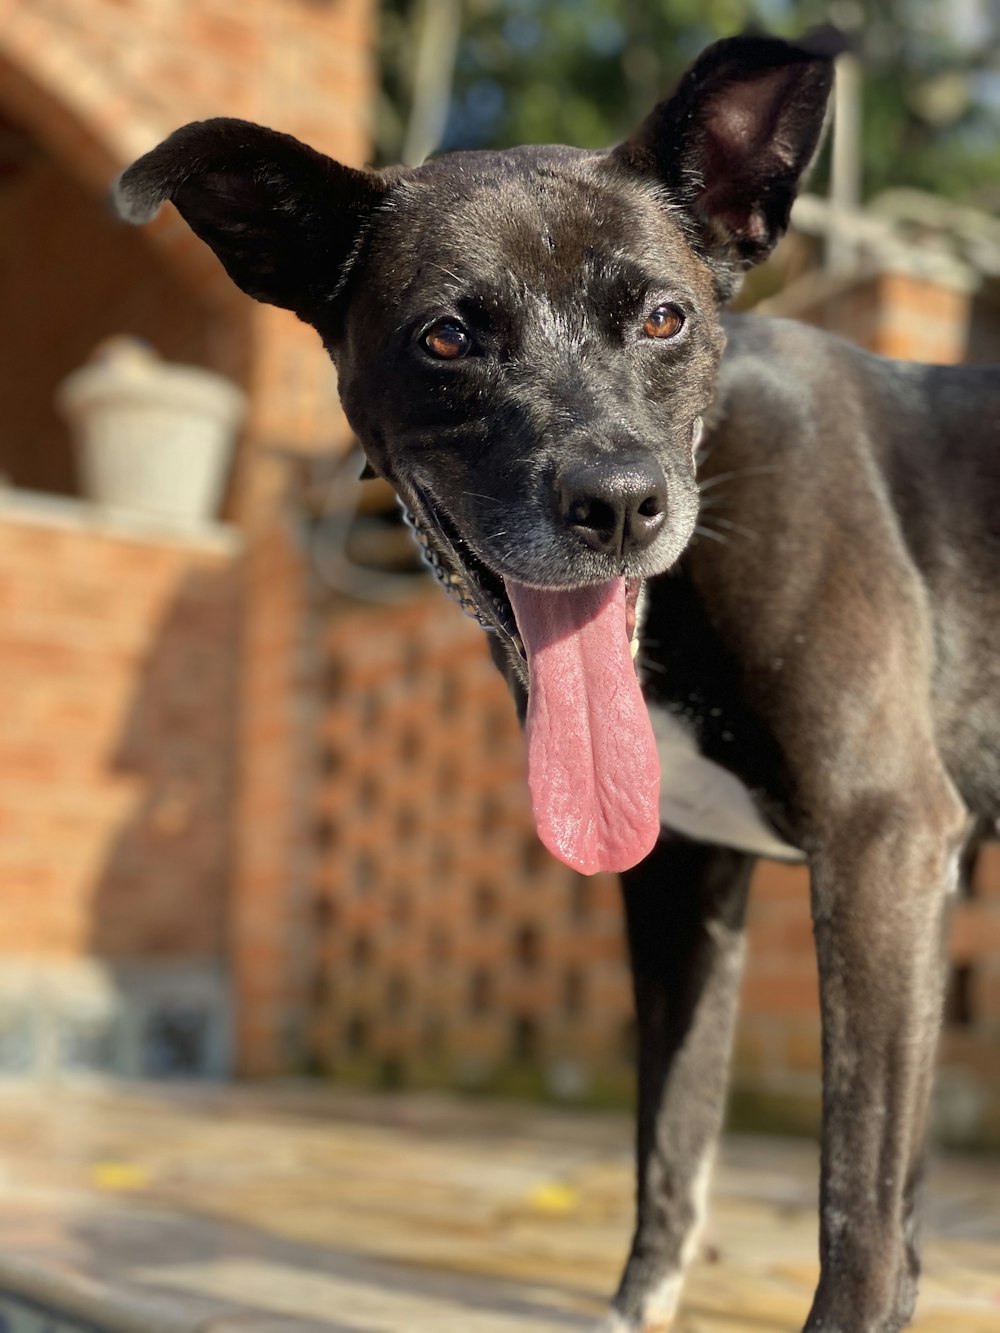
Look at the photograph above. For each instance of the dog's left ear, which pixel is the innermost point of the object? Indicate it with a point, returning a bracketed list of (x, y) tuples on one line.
[(732, 143), (284, 219)]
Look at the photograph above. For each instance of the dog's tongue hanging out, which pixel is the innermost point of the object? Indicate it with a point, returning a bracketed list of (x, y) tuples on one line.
[(592, 763)]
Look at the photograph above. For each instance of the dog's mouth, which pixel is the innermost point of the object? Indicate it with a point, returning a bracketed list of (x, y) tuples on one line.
[(479, 591), (466, 578), (593, 769)]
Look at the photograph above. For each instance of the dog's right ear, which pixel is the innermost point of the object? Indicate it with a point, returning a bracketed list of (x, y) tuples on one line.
[(285, 220)]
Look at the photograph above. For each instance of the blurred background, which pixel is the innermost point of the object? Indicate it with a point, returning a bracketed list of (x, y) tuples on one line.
[(262, 809)]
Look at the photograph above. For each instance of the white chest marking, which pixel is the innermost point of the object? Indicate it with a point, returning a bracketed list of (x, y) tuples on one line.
[(704, 801)]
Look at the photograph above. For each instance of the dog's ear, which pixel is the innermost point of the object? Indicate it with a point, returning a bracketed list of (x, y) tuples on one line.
[(732, 143), (284, 219)]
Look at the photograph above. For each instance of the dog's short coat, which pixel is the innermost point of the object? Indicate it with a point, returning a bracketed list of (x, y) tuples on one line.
[(527, 344)]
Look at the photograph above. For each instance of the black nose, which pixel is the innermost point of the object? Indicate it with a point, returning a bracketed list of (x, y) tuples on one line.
[(614, 506)]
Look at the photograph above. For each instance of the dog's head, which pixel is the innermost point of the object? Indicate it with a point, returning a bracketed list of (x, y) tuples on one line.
[(525, 340)]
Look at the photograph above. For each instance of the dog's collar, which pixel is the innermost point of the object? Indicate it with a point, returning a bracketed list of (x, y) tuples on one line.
[(443, 569)]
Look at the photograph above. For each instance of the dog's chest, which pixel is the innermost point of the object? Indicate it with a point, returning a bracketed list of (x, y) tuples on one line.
[(703, 800)]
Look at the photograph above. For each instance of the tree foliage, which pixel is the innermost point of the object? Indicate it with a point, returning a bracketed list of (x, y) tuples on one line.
[(585, 71)]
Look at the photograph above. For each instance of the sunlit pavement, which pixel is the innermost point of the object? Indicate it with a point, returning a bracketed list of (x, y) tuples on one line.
[(302, 1211)]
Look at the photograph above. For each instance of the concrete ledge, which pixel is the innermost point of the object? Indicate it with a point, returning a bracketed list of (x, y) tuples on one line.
[(93, 1017), (36, 509)]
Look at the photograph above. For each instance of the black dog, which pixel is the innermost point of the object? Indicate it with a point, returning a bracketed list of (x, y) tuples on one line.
[(527, 345)]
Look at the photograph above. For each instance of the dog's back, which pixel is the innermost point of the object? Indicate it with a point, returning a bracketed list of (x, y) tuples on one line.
[(819, 455)]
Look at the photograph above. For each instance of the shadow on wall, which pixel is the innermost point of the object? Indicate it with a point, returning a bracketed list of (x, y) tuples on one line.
[(159, 912), (116, 796)]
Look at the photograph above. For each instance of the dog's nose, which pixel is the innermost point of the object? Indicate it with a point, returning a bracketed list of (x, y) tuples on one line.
[(614, 507)]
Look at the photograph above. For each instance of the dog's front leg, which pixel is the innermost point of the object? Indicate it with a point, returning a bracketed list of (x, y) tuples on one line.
[(685, 907), (880, 890)]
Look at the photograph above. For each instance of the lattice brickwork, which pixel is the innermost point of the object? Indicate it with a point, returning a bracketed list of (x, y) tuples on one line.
[(444, 943), (446, 939)]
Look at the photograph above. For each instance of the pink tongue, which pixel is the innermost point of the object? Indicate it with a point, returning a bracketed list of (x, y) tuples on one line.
[(592, 763)]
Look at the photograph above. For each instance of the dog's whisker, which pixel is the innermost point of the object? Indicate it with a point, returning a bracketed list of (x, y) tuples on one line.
[(736, 527), (709, 482), (702, 531), (704, 452)]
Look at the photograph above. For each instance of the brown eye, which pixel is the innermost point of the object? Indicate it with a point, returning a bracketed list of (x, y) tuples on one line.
[(666, 321), (446, 340)]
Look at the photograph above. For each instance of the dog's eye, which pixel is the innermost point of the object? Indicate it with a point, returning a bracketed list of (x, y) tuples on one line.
[(447, 340), (666, 321)]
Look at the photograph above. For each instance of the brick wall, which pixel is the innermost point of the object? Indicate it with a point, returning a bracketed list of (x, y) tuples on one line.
[(116, 744), (86, 86), (126, 72), (970, 1091)]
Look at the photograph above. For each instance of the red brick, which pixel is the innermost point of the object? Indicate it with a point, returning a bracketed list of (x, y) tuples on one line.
[(986, 878), (774, 881), (87, 796), (781, 994), (975, 931)]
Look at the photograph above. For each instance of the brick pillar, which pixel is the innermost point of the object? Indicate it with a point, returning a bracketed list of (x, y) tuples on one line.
[(922, 318), (274, 876), (900, 310)]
